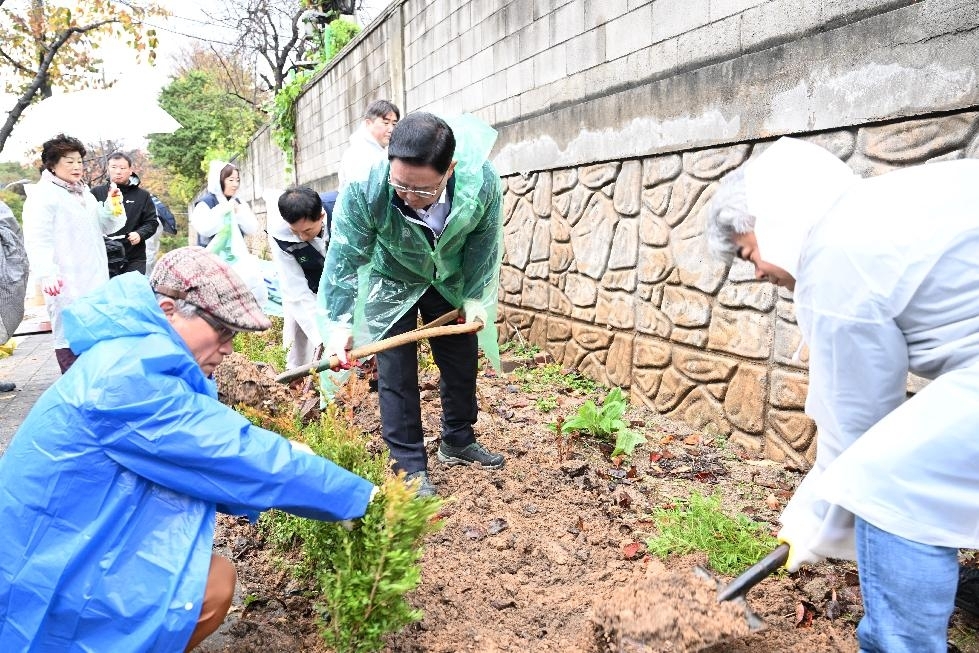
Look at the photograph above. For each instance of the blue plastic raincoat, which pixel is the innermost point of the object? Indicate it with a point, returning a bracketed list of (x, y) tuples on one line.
[(380, 263), (109, 489)]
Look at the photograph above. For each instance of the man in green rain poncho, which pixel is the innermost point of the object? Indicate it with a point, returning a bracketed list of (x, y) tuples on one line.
[(423, 234)]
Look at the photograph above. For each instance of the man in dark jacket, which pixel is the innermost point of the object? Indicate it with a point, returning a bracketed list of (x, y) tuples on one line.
[(141, 222)]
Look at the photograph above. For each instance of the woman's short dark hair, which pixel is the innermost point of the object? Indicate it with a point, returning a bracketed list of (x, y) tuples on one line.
[(381, 109), (57, 148), (225, 173), (300, 203), (423, 139)]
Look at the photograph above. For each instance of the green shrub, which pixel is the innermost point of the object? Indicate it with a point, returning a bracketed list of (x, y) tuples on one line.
[(362, 574), (732, 544)]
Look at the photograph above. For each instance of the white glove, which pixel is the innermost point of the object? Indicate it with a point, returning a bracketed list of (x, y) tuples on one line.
[(338, 342), (473, 310), (798, 555)]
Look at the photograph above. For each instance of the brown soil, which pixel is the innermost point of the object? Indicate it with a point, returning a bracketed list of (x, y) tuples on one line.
[(548, 554)]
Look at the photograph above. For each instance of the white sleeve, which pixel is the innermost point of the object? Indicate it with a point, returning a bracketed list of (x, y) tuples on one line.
[(246, 219), (39, 237), (857, 374), (207, 221), (297, 299)]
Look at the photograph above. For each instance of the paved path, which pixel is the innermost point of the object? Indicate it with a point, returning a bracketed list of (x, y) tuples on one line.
[(33, 368)]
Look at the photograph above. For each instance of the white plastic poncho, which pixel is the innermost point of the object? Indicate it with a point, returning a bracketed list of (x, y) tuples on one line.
[(363, 154), (887, 283), (229, 222), (300, 334), (63, 235)]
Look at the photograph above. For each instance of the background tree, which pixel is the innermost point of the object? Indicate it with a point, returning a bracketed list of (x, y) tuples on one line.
[(215, 124), (44, 45), (269, 34)]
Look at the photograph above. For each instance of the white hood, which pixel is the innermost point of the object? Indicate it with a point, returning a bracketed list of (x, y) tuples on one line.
[(214, 180), (789, 188)]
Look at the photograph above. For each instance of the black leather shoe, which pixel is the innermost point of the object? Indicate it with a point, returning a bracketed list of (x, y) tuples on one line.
[(473, 453), (7, 386)]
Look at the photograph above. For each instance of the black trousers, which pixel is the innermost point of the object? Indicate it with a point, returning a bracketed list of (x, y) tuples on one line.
[(397, 386)]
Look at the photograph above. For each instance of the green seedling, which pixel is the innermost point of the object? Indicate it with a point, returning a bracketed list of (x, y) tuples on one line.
[(606, 423), (732, 544), (551, 377)]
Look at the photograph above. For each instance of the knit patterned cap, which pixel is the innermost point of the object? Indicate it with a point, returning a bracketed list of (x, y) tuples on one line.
[(202, 279)]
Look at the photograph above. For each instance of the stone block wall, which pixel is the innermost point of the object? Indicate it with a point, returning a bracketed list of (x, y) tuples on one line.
[(605, 266)]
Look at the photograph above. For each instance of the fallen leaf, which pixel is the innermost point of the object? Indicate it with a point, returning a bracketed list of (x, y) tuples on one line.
[(632, 550), (772, 502), (666, 439), (834, 608), (655, 456), (705, 477), (623, 500), (682, 469), (617, 461), (692, 440), (580, 524), (804, 614), (632, 473)]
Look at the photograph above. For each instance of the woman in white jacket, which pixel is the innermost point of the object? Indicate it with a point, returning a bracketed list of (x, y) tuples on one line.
[(63, 229), (222, 221)]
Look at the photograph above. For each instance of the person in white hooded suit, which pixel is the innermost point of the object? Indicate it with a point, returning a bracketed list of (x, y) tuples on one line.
[(222, 221), (885, 280)]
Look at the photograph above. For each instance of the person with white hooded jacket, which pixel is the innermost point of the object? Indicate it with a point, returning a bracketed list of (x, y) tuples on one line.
[(222, 221), (885, 281), (64, 226)]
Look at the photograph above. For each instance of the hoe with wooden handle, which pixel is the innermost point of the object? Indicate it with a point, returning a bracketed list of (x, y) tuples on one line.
[(435, 328)]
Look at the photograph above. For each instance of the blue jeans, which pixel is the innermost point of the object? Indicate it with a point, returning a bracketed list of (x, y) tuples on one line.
[(908, 592)]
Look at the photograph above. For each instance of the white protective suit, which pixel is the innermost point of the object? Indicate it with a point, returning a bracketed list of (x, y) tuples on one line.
[(886, 283), (63, 238), (300, 334), (360, 157), (208, 221)]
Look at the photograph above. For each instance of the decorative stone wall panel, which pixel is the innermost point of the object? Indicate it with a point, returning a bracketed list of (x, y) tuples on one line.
[(542, 195), (631, 297), (657, 170)]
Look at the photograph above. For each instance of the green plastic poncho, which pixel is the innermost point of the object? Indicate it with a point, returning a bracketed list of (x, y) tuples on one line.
[(379, 263)]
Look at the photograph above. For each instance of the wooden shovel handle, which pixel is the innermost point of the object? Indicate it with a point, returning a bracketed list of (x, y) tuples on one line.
[(420, 333)]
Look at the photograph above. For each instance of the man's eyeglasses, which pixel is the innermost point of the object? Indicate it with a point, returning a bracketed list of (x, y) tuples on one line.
[(431, 194), (225, 333)]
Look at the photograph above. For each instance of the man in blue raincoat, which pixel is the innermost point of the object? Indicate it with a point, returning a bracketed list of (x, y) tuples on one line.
[(421, 235), (108, 491)]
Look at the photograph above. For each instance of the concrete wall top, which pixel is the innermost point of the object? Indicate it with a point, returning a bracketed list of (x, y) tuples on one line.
[(571, 82)]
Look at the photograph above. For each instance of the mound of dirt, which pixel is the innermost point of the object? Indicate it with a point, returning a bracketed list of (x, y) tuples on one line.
[(666, 613)]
